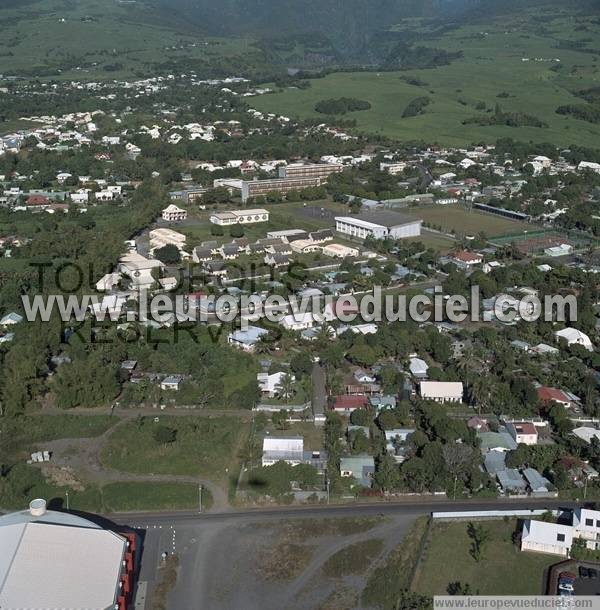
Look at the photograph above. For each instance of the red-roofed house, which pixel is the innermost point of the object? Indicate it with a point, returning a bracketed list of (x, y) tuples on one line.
[(548, 395), (347, 404), (37, 200), (466, 260), (523, 432)]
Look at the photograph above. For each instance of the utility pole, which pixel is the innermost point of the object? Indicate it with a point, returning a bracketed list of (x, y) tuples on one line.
[(585, 486), (327, 483), (200, 497), (67, 494)]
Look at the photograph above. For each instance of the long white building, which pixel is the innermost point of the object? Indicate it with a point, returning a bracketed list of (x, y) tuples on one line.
[(241, 217), (379, 225)]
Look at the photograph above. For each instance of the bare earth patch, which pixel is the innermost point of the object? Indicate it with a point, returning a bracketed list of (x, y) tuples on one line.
[(62, 476)]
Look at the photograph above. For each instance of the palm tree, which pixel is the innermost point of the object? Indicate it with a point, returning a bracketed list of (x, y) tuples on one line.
[(264, 345), (480, 391), (285, 387), (323, 336)]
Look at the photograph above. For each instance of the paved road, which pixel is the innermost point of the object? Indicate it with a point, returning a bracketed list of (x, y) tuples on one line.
[(220, 553)]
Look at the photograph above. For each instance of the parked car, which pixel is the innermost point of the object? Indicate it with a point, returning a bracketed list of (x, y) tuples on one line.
[(565, 582), (565, 586), (567, 576)]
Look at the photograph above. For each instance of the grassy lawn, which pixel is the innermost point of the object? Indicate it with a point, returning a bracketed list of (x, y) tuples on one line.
[(504, 570), (462, 221), (312, 435), (117, 497), (492, 64), (203, 447)]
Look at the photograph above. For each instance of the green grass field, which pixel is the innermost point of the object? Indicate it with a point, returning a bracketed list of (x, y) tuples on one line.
[(492, 64), (88, 39), (504, 569), (118, 497), (204, 447), (461, 221)]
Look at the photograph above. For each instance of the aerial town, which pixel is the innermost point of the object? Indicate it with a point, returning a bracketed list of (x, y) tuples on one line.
[(257, 360)]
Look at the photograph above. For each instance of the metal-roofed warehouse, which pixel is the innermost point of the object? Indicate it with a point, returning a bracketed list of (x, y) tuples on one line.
[(56, 561)]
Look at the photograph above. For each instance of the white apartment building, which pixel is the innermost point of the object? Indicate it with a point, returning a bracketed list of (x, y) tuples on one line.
[(173, 214)]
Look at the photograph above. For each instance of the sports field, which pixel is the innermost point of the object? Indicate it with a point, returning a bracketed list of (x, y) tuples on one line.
[(461, 221), (522, 66)]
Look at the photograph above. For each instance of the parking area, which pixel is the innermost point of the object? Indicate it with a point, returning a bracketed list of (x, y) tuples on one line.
[(588, 581), (582, 576)]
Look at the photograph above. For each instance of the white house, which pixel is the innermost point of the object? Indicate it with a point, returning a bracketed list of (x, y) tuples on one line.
[(588, 165), (442, 391), (105, 195), (139, 269), (586, 433), (80, 196), (574, 337), (466, 260), (248, 338), (298, 321), (171, 382), (11, 318), (173, 214), (523, 432), (269, 384)]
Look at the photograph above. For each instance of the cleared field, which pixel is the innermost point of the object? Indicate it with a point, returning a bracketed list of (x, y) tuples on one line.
[(460, 221), (203, 446), (503, 570), (513, 64)]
